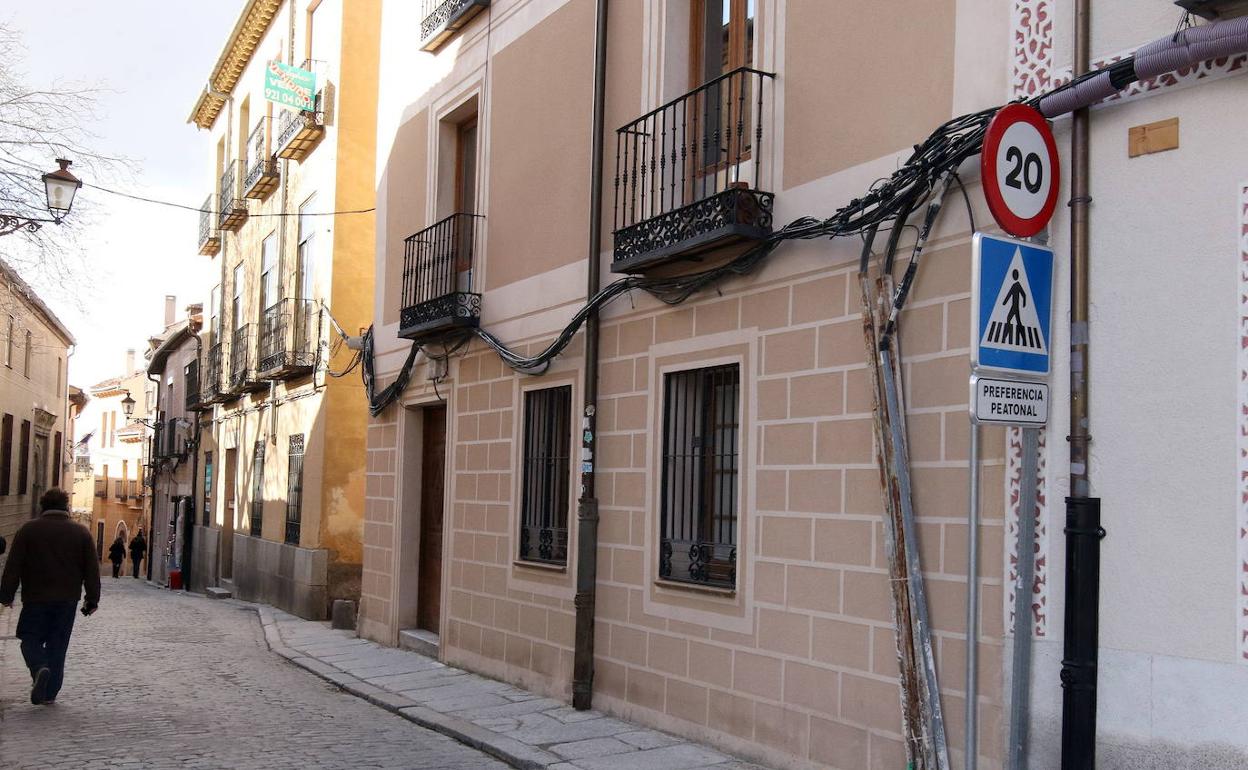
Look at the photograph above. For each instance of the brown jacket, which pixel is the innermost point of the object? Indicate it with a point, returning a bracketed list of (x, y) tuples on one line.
[(53, 559)]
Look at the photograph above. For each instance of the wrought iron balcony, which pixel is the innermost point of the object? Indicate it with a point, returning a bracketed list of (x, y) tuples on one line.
[(243, 378), (191, 386), (289, 334), (443, 18), (232, 211), (437, 279), (687, 174), (209, 235), (101, 487), (159, 446), (262, 176), (299, 131), (210, 390)]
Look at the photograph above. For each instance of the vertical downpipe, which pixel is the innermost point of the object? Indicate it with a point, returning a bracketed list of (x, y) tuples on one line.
[(1083, 528), (587, 503)]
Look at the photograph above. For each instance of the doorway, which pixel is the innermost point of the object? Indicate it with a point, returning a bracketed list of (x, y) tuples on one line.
[(226, 567), (419, 563)]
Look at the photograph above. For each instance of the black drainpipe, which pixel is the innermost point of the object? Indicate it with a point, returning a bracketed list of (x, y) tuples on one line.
[(587, 505), (192, 515), (1083, 512)]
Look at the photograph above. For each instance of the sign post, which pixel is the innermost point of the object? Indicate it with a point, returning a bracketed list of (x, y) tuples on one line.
[(1011, 328), (1020, 170)]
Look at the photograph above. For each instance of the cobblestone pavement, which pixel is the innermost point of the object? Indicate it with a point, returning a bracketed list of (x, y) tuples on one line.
[(162, 680)]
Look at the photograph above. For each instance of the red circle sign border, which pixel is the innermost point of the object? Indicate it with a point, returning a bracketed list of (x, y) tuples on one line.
[(1006, 117)]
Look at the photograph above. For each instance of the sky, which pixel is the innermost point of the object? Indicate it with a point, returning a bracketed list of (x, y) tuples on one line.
[(138, 252)]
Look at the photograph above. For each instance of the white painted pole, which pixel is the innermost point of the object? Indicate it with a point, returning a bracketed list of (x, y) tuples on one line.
[(1020, 697)]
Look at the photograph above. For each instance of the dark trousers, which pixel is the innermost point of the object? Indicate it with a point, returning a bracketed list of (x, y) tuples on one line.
[(44, 629), (116, 568), (136, 563)]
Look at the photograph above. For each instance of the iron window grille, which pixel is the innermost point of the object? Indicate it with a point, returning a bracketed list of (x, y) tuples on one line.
[(101, 487), (545, 486), (257, 490), (289, 333), (701, 428), (207, 489), (687, 174), (294, 490)]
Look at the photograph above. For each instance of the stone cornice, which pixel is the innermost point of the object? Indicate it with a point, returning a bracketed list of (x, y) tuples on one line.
[(249, 30)]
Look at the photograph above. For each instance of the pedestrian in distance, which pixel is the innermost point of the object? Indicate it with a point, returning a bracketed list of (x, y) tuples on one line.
[(138, 549), (117, 554), (53, 561)]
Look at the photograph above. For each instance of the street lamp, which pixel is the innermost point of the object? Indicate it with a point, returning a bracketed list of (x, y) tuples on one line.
[(60, 186), (127, 408)]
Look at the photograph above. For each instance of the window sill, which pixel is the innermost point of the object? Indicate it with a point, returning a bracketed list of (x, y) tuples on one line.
[(541, 566), (728, 593)]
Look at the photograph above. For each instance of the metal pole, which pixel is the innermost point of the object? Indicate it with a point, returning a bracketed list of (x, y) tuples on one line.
[(587, 504), (1079, 651), (972, 606), (1020, 695)]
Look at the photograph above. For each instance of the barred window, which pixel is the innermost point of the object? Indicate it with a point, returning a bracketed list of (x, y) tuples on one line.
[(207, 489), (58, 458), (294, 490), (257, 490), (698, 541), (545, 486)]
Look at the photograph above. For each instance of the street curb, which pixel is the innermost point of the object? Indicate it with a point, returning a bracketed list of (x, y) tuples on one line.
[(513, 752)]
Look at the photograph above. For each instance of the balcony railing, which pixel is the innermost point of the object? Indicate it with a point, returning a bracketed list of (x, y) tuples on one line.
[(159, 448), (243, 377), (210, 390), (262, 177), (191, 386), (101, 487), (232, 207), (437, 279), (289, 334), (687, 174), (209, 235), (299, 131), (443, 18)]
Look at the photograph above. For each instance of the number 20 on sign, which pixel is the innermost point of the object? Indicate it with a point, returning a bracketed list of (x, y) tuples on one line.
[(1020, 170)]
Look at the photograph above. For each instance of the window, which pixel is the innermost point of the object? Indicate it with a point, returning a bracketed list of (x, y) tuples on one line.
[(12, 341), (268, 272), (236, 311), (722, 38), (6, 453), (112, 428), (23, 462), (30, 350), (58, 458), (466, 167), (545, 484), (294, 489), (699, 476), (214, 311), (257, 490), (60, 381), (207, 489), (307, 252)]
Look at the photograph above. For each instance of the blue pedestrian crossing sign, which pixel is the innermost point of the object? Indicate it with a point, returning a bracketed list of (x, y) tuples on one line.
[(1011, 305)]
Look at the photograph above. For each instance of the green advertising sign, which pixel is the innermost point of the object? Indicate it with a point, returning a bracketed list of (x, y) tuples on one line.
[(290, 86)]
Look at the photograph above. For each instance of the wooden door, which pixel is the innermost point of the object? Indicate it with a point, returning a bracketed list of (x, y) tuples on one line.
[(226, 546), (433, 468)]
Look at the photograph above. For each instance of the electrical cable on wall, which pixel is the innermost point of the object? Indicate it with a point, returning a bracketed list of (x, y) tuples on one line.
[(933, 164)]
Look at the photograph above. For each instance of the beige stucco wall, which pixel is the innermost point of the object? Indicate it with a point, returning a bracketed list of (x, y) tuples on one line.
[(796, 666)]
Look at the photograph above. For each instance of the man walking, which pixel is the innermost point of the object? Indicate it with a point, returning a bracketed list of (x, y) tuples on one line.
[(138, 549), (53, 559)]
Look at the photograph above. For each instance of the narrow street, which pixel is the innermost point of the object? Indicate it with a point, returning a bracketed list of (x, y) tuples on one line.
[(162, 680)]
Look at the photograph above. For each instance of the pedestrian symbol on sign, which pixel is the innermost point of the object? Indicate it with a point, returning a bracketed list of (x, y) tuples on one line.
[(1011, 305), (1014, 324)]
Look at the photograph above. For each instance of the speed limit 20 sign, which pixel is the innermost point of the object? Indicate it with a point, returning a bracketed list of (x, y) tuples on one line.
[(1020, 170)]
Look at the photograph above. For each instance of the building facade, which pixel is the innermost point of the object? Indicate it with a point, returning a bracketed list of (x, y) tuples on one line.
[(111, 457), (173, 362), (741, 587), (281, 453), (37, 415)]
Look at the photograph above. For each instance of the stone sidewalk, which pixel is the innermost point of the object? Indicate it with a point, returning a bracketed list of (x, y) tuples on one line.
[(525, 730)]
